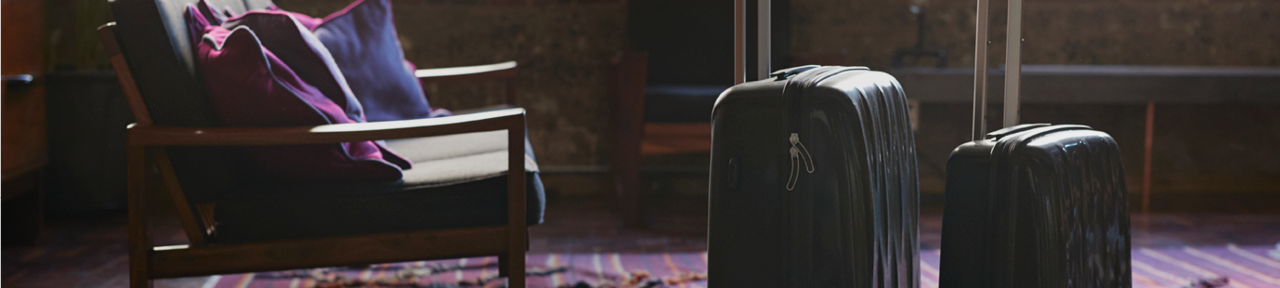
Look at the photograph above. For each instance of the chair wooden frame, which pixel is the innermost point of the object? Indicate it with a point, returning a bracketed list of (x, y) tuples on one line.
[(632, 138), (146, 144)]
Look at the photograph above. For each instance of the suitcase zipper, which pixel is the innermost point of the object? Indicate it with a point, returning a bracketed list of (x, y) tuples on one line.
[(800, 79), (798, 154)]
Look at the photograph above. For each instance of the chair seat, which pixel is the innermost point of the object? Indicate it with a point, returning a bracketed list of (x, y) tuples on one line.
[(456, 181), (680, 103)]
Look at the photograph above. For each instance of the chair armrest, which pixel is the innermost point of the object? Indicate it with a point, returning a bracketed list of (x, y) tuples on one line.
[(465, 73), (510, 118), (484, 109), (505, 71)]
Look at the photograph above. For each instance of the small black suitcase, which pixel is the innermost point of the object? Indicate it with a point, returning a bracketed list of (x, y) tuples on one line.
[(813, 182), (1032, 205), (1036, 205)]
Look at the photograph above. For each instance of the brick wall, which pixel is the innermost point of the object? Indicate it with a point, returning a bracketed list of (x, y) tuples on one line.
[(1134, 32)]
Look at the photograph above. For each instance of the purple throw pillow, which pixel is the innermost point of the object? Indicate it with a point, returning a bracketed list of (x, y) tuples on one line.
[(249, 86), (362, 38), (305, 55), (211, 14), (363, 41), (306, 20)]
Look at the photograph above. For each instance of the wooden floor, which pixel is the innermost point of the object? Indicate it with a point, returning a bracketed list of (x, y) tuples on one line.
[(88, 250)]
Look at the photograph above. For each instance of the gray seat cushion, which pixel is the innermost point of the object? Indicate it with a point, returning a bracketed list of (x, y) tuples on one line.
[(457, 181)]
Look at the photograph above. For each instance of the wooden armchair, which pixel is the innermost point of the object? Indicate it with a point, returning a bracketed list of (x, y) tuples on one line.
[(237, 223)]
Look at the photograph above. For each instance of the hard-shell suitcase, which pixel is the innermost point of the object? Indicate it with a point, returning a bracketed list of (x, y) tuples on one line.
[(1036, 205), (813, 182), (1032, 205)]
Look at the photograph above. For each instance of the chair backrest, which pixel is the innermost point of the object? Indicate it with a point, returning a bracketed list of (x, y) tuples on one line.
[(153, 38), (691, 42)]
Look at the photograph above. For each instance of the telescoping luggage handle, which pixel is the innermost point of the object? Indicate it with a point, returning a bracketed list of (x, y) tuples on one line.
[(762, 31), (1013, 64)]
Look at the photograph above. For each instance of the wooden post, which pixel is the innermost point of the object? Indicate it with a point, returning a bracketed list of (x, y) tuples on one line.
[(627, 79), (510, 85), (139, 225), (517, 226), (1146, 158)]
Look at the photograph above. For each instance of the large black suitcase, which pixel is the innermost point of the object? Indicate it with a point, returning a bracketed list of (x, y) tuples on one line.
[(1036, 205), (813, 182)]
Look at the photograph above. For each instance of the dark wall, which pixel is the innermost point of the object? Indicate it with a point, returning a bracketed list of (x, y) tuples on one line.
[(562, 47), (1147, 32)]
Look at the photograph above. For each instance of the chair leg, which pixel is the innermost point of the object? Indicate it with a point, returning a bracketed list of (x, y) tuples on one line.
[(626, 176), (625, 160), (139, 232), (502, 266), (514, 263), (627, 184), (140, 283), (517, 226)]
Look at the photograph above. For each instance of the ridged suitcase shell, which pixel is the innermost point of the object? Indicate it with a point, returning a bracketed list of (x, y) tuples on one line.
[(1036, 205), (850, 218)]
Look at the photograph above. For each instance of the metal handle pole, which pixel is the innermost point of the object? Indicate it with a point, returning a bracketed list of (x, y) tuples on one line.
[(980, 72), (763, 37), (1013, 64), (739, 42)]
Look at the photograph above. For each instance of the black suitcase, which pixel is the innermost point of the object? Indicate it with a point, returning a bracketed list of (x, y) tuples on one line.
[(813, 182), (1033, 205), (1036, 205)]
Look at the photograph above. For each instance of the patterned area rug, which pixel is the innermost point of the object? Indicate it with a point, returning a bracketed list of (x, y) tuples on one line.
[(1241, 266)]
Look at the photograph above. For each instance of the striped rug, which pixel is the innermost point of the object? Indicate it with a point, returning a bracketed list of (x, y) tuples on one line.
[(1244, 266)]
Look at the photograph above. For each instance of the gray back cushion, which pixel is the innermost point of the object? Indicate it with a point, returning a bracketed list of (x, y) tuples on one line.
[(153, 36), (154, 39)]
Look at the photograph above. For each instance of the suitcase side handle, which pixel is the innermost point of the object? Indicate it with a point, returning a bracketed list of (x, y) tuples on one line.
[(793, 71), (787, 73), (1015, 129)]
